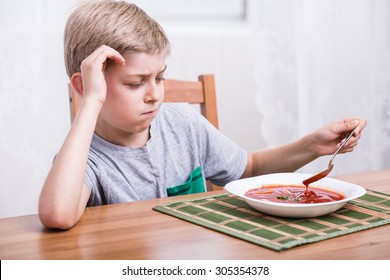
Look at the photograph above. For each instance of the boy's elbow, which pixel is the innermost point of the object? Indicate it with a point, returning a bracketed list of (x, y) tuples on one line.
[(56, 219)]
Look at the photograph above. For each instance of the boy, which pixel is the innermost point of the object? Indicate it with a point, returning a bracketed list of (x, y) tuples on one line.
[(124, 144)]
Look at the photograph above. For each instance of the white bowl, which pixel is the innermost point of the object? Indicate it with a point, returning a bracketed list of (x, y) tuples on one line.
[(296, 210)]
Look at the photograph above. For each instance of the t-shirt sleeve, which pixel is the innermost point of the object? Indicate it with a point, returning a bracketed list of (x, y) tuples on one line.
[(92, 182), (224, 160)]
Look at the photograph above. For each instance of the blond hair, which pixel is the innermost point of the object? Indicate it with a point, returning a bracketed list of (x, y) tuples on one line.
[(123, 26)]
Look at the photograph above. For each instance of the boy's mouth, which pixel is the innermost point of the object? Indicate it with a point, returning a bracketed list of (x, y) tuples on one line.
[(151, 112)]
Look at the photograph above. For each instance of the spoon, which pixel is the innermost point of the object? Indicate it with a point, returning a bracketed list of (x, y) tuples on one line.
[(325, 173)]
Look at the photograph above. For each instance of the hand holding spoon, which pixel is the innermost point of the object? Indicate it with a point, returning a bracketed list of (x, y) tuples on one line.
[(325, 173)]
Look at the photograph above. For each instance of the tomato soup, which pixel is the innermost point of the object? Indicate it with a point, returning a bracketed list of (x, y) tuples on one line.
[(293, 194)]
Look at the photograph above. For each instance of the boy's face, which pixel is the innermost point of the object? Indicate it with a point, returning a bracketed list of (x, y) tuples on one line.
[(135, 92)]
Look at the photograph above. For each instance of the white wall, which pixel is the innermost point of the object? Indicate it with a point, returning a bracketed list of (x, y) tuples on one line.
[(34, 114), (294, 66)]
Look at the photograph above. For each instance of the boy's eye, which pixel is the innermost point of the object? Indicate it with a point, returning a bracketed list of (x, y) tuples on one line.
[(135, 85), (159, 79), (138, 84)]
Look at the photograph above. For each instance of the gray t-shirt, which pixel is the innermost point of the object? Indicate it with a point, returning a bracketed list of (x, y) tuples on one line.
[(181, 140)]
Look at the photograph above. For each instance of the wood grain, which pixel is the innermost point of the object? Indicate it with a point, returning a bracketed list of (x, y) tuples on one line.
[(135, 231)]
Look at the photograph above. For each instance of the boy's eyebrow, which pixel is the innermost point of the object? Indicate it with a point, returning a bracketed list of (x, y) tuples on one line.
[(144, 75), (165, 68)]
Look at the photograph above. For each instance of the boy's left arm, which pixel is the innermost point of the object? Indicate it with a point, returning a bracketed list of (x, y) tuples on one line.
[(292, 156)]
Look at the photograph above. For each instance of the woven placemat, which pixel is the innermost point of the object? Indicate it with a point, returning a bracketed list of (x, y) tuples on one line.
[(231, 215)]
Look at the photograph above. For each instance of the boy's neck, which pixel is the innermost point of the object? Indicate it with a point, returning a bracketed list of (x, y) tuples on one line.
[(134, 140)]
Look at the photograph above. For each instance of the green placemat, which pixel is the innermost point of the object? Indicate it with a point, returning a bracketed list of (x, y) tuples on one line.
[(230, 214)]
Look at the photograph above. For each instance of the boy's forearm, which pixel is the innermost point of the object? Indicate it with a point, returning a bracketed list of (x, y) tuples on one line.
[(62, 191), (286, 158)]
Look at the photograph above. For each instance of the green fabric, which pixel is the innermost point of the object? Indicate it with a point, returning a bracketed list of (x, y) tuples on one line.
[(231, 215), (194, 185)]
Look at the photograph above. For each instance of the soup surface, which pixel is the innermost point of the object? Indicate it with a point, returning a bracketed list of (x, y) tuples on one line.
[(293, 194)]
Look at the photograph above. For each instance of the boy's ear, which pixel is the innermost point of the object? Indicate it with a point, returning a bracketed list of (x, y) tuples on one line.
[(76, 82)]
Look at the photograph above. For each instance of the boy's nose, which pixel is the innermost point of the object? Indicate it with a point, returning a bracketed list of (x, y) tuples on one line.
[(153, 93)]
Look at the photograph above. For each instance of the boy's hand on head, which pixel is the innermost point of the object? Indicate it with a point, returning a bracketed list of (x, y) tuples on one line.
[(92, 72), (327, 139)]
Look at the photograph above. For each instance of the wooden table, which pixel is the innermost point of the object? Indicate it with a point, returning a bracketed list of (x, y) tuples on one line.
[(135, 231)]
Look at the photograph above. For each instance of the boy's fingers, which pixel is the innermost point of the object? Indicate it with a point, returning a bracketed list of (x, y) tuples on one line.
[(112, 54), (101, 54), (344, 127), (348, 125)]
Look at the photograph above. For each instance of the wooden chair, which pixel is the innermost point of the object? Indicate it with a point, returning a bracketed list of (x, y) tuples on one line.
[(200, 92)]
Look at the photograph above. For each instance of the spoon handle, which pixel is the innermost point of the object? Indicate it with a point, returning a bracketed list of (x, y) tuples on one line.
[(343, 144)]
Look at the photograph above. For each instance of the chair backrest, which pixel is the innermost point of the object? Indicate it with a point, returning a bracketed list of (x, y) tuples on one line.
[(200, 92), (195, 92)]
